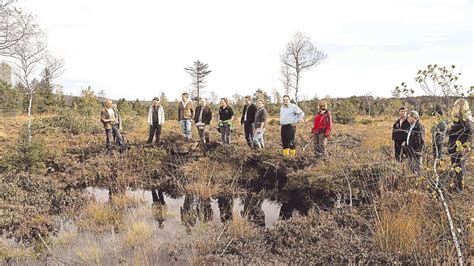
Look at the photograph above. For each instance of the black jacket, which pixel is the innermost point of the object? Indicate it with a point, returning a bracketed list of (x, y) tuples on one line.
[(206, 114), (399, 133), (417, 137), (250, 114), (460, 131)]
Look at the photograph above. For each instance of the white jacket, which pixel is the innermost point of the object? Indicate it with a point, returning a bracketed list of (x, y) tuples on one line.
[(161, 115)]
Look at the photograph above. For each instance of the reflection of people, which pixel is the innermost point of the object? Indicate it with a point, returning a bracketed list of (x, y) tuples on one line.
[(225, 207), (156, 118), (158, 207), (248, 119), (415, 142), (460, 134), (399, 133), (112, 125), (188, 212), (253, 210), (290, 115), (204, 210), (321, 129), (202, 120), (296, 201)]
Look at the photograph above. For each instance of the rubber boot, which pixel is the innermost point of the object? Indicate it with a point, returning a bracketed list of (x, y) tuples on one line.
[(292, 152), (286, 152)]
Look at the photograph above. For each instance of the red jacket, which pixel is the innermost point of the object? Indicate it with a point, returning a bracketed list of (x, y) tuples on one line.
[(322, 123)]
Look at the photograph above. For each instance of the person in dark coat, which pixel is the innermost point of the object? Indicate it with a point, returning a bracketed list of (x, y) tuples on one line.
[(248, 119), (460, 135), (202, 120), (399, 133), (415, 142), (438, 132)]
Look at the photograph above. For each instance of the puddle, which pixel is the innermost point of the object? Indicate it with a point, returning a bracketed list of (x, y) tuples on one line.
[(178, 214)]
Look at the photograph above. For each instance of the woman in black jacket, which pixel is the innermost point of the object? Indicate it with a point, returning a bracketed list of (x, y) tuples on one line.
[(202, 120), (459, 139)]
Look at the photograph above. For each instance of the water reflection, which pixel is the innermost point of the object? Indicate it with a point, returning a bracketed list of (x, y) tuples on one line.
[(158, 207)]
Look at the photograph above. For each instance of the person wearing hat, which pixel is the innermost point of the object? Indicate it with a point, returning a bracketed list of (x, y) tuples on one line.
[(156, 118)]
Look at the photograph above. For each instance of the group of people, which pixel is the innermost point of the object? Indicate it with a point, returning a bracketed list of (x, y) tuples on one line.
[(253, 120), (408, 136)]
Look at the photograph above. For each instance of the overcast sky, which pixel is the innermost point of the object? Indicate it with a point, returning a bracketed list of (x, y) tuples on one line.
[(138, 49)]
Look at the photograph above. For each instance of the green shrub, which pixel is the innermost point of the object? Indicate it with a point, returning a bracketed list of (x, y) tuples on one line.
[(72, 122)]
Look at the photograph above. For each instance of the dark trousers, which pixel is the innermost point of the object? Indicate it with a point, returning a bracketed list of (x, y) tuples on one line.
[(400, 153), (457, 162), (154, 130), (437, 143), (111, 134), (225, 133), (248, 128), (320, 141), (288, 136)]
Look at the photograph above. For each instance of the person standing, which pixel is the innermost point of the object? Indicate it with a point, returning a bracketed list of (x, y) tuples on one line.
[(202, 120), (259, 130), (156, 118), (248, 119), (226, 115), (321, 129), (110, 118), (459, 135), (415, 142), (185, 115), (438, 132), (399, 133), (290, 115)]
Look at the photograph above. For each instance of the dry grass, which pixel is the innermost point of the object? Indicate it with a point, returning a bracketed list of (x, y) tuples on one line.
[(89, 254), (65, 238), (99, 217), (138, 234), (15, 253), (403, 226), (240, 227)]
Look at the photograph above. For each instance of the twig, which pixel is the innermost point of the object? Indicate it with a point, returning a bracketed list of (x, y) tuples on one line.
[(226, 247)]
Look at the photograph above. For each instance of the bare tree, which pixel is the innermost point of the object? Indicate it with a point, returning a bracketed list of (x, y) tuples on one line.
[(439, 81), (198, 72), (301, 55), (287, 79), (13, 26), (30, 56)]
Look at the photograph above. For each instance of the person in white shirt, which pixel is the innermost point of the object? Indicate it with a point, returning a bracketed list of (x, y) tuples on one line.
[(156, 118), (290, 115)]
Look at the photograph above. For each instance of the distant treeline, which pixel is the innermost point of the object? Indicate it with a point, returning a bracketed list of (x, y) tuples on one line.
[(14, 101)]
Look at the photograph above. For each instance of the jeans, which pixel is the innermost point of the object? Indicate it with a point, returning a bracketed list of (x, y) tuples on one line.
[(110, 134), (187, 130), (225, 133), (258, 139)]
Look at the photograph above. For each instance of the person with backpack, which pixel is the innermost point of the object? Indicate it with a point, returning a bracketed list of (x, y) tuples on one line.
[(156, 118), (112, 122), (321, 129), (459, 136), (202, 120)]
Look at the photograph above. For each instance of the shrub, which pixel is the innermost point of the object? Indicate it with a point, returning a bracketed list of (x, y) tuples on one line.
[(72, 122)]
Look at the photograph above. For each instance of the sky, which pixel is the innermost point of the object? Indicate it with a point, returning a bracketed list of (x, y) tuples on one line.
[(138, 49)]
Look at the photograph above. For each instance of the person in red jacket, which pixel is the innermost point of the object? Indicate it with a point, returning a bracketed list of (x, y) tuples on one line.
[(321, 129)]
